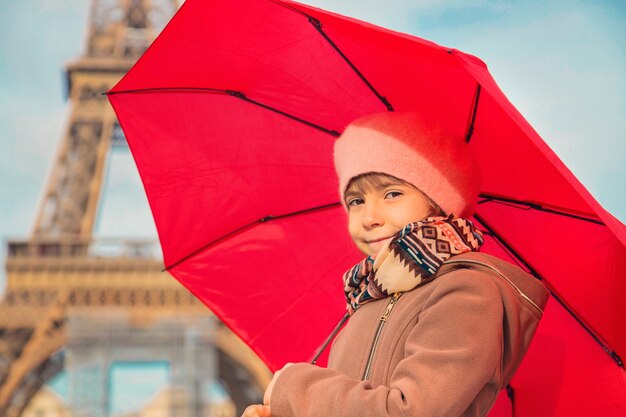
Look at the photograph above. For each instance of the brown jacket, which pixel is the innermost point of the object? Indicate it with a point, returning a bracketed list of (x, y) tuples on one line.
[(446, 349)]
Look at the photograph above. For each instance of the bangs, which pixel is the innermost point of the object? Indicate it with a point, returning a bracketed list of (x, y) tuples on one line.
[(370, 181)]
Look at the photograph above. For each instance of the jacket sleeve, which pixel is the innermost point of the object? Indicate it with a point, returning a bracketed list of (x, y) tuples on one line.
[(451, 353)]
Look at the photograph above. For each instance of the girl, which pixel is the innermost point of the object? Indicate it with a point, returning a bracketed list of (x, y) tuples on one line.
[(436, 328)]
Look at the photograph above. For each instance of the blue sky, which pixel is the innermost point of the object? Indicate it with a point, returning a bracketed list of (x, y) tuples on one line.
[(561, 62)]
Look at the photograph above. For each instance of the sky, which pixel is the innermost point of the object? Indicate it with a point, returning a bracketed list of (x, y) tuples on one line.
[(562, 63)]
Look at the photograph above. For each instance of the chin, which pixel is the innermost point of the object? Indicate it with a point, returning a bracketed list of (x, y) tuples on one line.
[(374, 248), (365, 252), (363, 249)]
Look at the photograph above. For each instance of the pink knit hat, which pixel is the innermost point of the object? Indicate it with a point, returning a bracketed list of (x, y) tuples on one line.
[(422, 153)]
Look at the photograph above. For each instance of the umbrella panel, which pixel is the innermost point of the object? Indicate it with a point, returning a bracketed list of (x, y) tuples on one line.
[(565, 374), (201, 185), (269, 53), (281, 278)]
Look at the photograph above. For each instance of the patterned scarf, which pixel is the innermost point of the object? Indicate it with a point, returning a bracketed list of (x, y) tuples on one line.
[(410, 258)]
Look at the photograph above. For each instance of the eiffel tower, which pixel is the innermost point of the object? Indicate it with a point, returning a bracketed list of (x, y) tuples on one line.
[(71, 297)]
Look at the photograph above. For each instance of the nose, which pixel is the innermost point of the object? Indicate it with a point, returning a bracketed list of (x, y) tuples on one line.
[(372, 216)]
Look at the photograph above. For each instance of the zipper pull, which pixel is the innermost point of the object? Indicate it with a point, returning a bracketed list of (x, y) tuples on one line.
[(387, 311)]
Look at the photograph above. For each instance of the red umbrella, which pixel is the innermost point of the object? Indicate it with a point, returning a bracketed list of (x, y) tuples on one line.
[(231, 116)]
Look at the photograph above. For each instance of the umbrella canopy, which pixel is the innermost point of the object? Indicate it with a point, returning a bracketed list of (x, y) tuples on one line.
[(231, 116)]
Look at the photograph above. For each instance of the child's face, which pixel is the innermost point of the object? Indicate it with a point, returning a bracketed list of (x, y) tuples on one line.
[(378, 213)]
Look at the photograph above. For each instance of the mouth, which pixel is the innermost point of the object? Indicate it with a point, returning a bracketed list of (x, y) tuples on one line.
[(377, 240)]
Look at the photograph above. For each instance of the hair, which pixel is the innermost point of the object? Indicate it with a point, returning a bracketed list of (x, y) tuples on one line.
[(376, 180)]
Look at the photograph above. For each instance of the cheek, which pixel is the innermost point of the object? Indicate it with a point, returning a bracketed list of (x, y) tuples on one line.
[(353, 228), (399, 222), (408, 213)]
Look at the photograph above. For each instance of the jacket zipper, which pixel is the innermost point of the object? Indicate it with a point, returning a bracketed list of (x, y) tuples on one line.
[(381, 323)]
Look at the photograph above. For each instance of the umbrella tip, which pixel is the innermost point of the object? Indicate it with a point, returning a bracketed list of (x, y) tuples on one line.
[(315, 22)]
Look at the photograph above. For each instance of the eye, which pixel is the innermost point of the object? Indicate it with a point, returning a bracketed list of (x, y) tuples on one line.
[(393, 194), (355, 201)]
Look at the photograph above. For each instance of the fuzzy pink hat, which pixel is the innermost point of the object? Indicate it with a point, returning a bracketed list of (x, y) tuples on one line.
[(422, 153)]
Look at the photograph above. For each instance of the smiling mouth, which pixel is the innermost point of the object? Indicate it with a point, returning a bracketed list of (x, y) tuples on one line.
[(378, 240)]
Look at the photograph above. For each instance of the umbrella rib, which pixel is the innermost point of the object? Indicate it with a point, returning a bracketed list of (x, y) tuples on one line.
[(318, 26), (245, 227), (612, 353), (243, 97), (232, 93), (470, 129), (508, 247), (330, 337), (164, 90), (536, 206), (510, 392), (295, 213)]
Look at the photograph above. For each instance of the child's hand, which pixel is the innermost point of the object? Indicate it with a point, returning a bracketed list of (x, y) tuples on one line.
[(257, 410)]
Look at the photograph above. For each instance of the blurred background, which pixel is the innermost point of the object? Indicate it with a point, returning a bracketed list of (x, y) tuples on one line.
[(89, 325)]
